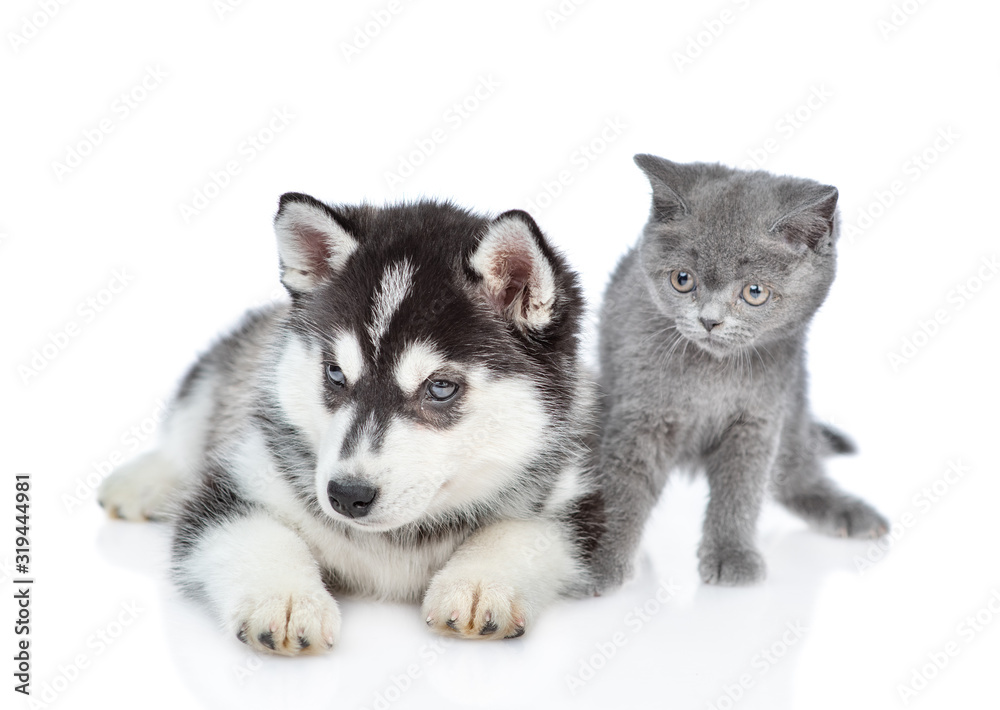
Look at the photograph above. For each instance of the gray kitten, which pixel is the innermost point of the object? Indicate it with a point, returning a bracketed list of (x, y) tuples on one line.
[(702, 337)]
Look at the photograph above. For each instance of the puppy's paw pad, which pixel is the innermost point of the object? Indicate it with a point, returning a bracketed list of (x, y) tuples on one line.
[(731, 566), (481, 609), (290, 624)]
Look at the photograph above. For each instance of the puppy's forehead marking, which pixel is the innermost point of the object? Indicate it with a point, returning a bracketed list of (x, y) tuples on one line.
[(418, 362), (347, 351), (396, 284), (362, 436)]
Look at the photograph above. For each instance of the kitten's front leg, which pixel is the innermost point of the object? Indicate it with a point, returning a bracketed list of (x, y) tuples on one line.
[(498, 580), (738, 470), (259, 577), (637, 452)]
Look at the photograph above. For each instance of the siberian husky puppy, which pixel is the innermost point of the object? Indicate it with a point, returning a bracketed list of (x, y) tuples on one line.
[(414, 424)]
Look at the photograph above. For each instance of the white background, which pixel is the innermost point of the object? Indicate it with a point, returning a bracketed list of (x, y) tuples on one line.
[(606, 77)]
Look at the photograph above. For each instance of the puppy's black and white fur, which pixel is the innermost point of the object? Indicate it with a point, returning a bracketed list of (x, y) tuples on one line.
[(412, 425)]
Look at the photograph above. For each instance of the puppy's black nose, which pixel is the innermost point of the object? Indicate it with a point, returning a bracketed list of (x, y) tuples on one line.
[(710, 324), (351, 498)]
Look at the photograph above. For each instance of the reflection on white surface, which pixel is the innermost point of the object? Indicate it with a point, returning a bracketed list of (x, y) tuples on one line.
[(663, 640)]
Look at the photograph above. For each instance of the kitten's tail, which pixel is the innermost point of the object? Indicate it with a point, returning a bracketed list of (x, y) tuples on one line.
[(832, 441)]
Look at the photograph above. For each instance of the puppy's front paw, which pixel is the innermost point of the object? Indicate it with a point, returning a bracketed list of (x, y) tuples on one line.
[(474, 608), (289, 624), (731, 566), (141, 489)]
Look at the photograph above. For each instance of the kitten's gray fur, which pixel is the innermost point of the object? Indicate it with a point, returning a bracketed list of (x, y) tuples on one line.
[(706, 381)]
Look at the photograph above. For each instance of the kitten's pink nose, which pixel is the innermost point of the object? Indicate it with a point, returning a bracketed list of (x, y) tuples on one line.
[(710, 324)]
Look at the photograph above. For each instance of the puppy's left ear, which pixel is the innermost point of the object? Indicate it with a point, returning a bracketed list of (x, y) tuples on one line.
[(518, 270), (313, 241)]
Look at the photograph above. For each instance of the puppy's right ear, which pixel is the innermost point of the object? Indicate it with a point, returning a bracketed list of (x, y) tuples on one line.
[(313, 241), (518, 270)]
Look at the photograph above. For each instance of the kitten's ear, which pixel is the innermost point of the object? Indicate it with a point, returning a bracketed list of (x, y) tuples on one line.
[(518, 270), (313, 241), (665, 178), (812, 220)]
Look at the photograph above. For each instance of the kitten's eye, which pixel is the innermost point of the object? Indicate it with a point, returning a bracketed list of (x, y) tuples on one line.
[(441, 390), (335, 376), (755, 294), (683, 281)]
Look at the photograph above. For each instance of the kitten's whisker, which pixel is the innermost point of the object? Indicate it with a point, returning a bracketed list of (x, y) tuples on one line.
[(670, 350)]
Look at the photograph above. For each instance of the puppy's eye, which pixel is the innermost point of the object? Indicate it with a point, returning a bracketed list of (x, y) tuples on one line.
[(441, 390), (335, 376), (682, 280), (755, 294)]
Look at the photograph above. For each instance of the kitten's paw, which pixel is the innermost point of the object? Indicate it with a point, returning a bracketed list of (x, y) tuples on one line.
[(473, 608), (731, 566), (142, 489), (289, 624), (840, 515), (852, 517)]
